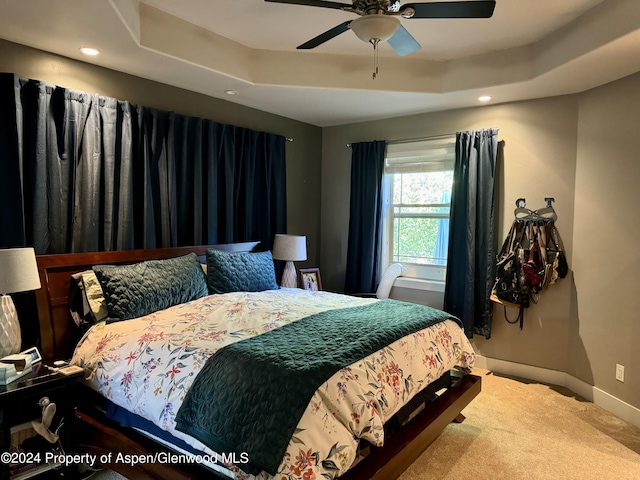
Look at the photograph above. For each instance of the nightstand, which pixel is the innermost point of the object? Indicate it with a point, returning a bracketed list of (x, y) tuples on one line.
[(19, 406)]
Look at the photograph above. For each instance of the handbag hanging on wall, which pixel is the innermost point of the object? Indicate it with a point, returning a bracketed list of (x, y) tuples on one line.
[(557, 257), (506, 289), (535, 267), (530, 259)]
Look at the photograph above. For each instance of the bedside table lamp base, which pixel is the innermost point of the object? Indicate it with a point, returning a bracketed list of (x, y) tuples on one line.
[(19, 274), (10, 336), (289, 278)]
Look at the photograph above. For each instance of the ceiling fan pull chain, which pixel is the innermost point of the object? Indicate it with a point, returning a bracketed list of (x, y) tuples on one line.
[(375, 42)]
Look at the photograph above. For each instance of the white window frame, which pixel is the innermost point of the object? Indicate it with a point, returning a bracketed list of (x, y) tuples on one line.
[(410, 157)]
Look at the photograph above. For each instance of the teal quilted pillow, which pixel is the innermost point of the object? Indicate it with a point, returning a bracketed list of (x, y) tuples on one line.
[(240, 272), (136, 290)]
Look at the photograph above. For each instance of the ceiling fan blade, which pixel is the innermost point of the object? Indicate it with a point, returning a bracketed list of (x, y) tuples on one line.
[(467, 9), (315, 3), (323, 37), (403, 43)]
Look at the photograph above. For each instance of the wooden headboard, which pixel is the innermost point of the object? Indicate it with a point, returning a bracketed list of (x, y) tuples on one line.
[(56, 325)]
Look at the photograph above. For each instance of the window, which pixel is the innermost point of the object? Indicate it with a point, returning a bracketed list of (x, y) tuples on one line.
[(417, 182)]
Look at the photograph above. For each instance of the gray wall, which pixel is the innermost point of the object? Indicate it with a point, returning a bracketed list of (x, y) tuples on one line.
[(579, 149), (303, 154), (605, 327)]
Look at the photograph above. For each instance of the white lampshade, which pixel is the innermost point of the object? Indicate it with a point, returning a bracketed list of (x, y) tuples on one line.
[(18, 270), (375, 27), (18, 273), (291, 248)]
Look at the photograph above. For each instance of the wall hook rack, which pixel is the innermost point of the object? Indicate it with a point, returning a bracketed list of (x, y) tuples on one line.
[(542, 214), (522, 202)]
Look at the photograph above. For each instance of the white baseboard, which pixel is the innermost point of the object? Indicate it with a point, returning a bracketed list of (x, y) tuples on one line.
[(621, 409)]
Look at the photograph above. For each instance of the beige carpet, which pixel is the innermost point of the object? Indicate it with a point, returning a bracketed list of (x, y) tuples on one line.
[(517, 429), (522, 430)]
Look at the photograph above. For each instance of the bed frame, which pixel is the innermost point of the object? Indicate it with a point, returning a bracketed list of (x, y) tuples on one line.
[(96, 434)]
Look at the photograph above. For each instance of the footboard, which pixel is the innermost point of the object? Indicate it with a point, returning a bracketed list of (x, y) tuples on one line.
[(403, 448), (96, 434)]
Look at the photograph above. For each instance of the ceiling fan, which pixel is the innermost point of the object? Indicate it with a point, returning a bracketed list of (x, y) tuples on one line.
[(378, 19)]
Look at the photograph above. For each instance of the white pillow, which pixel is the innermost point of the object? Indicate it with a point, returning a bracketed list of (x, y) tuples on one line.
[(95, 296)]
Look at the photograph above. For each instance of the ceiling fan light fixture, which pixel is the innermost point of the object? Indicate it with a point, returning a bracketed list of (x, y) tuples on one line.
[(375, 27)]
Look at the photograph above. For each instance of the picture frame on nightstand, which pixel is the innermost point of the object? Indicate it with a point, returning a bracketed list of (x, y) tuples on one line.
[(309, 279)]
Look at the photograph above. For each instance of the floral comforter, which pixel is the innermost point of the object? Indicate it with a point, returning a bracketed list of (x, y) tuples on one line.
[(147, 365)]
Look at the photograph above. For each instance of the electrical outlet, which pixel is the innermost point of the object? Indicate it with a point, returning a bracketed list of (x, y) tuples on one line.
[(620, 372)]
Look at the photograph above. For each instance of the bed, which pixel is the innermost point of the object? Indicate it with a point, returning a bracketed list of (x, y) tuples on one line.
[(369, 419)]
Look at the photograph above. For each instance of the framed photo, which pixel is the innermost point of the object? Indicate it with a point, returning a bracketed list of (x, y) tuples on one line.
[(309, 279)]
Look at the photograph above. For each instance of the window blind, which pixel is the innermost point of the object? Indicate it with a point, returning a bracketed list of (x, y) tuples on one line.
[(421, 156)]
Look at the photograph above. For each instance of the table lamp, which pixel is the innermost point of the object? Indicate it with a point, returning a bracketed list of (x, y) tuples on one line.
[(18, 273), (291, 248)]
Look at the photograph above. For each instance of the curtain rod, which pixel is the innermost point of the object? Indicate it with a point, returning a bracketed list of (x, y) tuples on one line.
[(409, 140), (289, 139)]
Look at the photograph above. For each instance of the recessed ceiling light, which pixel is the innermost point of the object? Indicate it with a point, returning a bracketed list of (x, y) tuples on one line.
[(231, 92), (484, 98), (90, 51)]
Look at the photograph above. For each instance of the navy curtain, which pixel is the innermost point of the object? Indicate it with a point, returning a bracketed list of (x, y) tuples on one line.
[(88, 173), (471, 234), (365, 226), (81, 173)]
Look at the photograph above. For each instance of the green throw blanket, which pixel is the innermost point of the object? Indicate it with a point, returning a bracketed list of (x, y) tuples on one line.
[(250, 395)]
